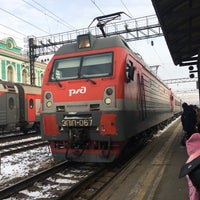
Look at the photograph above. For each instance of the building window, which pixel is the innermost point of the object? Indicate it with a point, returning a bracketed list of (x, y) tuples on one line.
[(10, 73), (41, 78), (24, 76)]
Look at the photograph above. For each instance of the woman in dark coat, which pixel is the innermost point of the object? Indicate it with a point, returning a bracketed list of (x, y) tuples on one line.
[(188, 119)]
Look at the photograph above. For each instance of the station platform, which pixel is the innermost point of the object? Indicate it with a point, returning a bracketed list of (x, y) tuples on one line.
[(153, 173)]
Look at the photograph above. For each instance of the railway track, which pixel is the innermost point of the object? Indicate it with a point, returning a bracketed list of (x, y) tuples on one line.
[(52, 183), (20, 145), (92, 185), (17, 136)]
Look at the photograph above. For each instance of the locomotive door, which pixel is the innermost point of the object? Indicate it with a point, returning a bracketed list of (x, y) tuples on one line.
[(11, 108), (33, 107), (141, 97)]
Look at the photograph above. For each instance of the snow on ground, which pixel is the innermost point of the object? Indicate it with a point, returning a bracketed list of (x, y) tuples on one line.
[(160, 132), (19, 165)]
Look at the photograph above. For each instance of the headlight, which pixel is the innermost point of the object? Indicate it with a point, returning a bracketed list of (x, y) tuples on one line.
[(48, 104), (107, 101), (48, 95), (109, 91)]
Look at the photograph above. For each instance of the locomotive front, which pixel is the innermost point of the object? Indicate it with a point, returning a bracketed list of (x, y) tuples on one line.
[(80, 101)]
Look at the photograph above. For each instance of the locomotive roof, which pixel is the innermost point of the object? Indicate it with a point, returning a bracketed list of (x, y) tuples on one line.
[(100, 43)]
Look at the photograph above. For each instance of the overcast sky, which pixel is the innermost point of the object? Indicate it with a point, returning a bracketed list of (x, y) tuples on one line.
[(22, 18)]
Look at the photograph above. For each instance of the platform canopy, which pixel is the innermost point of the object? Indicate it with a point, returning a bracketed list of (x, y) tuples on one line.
[(180, 22)]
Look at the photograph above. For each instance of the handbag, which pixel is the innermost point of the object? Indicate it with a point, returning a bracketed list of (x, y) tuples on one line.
[(192, 169)]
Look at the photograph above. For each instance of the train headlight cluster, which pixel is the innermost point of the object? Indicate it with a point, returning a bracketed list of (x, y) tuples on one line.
[(48, 104), (109, 96), (108, 101), (48, 99)]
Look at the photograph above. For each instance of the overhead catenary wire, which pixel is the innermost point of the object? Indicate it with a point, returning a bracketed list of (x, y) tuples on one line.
[(97, 6), (13, 30), (27, 22), (157, 54), (57, 18), (127, 9)]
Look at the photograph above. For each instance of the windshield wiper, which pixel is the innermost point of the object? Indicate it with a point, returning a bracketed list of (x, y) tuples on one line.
[(57, 81), (92, 81), (59, 84), (88, 79)]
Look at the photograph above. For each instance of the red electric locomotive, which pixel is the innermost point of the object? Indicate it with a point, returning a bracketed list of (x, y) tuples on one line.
[(97, 94)]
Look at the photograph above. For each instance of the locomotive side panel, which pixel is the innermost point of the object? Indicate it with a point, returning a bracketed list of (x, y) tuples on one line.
[(146, 100)]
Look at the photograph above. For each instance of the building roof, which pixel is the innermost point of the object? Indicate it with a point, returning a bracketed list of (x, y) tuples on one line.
[(10, 45), (180, 22)]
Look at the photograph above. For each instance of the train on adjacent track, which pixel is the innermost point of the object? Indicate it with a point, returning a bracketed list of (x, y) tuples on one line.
[(20, 106), (97, 94)]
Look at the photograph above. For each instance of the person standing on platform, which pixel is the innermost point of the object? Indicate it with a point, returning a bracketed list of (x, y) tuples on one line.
[(188, 119)]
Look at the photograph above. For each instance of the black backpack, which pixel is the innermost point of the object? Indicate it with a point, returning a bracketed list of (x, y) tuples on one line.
[(193, 170)]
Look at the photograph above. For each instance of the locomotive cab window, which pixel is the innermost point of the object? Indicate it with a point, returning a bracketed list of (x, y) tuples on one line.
[(96, 65), (80, 67), (66, 69), (130, 69)]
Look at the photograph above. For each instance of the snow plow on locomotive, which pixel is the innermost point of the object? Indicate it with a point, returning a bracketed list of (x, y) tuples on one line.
[(97, 94)]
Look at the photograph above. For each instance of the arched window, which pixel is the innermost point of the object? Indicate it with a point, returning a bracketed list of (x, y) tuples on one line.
[(24, 76), (10, 73)]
